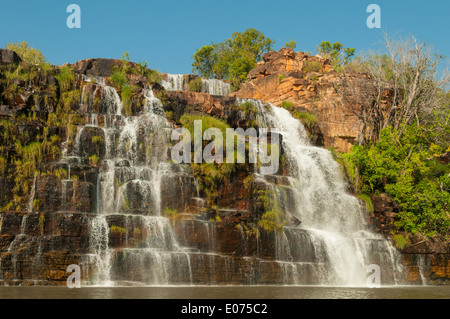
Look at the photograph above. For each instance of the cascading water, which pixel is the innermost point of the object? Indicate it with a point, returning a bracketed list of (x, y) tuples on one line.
[(129, 190), (333, 228), (176, 82), (130, 241), (173, 82), (215, 87)]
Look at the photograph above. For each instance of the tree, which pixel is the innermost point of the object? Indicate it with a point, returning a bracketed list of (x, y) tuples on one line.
[(403, 87), (204, 61), (26, 53), (291, 44), (233, 58), (337, 53), (406, 166)]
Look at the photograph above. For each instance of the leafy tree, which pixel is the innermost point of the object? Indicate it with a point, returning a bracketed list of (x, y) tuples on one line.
[(337, 53), (406, 167), (233, 58), (26, 53), (205, 60), (291, 44)]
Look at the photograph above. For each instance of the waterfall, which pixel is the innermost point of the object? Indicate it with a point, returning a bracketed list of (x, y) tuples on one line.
[(173, 82), (128, 192), (215, 87), (323, 205), (177, 82), (333, 221)]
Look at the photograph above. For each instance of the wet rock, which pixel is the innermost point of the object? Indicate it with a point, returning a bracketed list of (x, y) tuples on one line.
[(48, 193)]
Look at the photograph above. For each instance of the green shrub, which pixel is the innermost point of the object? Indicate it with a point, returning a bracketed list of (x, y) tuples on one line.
[(195, 85), (119, 79), (93, 160), (270, 221), (369, 205), (153, 76), (66, 78), (309, 120), (232, 58), (248, 108), (400, 241), (3, 165), (291, 44), (26, 53), (118, 230), (312, 66), (126, 95), (171, 213), (403, 167)]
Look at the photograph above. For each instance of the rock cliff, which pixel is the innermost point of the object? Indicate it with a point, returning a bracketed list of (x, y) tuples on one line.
[(72, 194), (311, 84)]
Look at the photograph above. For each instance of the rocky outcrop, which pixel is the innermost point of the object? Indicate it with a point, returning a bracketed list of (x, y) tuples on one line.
[(95, 67), (310, 83), (225, 243), (8, 56)]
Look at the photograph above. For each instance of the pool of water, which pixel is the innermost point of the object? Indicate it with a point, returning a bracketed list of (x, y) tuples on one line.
[(227, 292)]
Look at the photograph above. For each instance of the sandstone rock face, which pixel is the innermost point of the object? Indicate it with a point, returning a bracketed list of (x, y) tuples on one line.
[(310, 83), (192, 242), (384, 213)]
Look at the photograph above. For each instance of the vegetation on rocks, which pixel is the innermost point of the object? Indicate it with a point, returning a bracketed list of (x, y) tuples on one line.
[(26, 53), (233, 58), (309, 120)]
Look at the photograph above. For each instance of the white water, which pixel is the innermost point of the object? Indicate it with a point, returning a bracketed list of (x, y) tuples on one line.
[(334, 245), (177, 82), (141, 142), (331, 217), (174, 82), (215, 87)]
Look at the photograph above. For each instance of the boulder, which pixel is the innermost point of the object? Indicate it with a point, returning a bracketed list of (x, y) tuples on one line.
[(9, 56), (95, 67)]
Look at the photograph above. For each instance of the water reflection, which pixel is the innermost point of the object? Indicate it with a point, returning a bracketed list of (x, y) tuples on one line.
[(226, 292)]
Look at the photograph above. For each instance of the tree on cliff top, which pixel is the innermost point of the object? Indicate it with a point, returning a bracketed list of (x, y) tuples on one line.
[(404, 86), (233, 58), (26, 53), (339, 55)]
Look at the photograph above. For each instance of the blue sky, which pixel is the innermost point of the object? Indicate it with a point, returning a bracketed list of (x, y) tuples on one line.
[(167, 33)]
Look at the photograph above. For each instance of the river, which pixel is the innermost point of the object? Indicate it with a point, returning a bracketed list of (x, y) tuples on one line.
[(227, 292)]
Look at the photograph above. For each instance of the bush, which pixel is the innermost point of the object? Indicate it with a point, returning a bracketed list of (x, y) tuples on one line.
[(248, 108), (270, 221), (26, 53), (196, 85), (291, 44), (65, 78), (401, 242), (93, 160), (312, 66), (171, 213), (118, 230), (339, 55), (118, 79), (126, 95), (403, 166), (309, 120)]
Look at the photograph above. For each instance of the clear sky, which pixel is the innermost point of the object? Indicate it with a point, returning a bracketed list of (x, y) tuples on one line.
[(167, 33)]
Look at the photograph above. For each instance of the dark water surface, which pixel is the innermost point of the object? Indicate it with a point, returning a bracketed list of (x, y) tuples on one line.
[(226, 292)]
